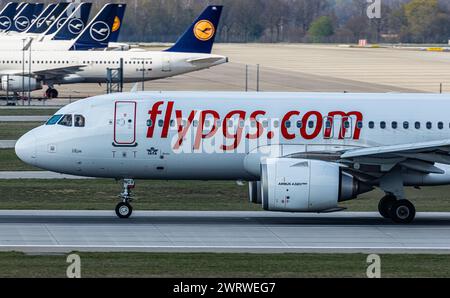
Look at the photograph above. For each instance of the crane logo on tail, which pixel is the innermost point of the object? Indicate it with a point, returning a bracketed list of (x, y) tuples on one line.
[(5, 23), (204, 30), (100, 31), (76, 26), (22, 23)]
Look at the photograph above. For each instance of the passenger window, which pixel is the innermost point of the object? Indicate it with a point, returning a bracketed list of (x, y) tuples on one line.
[(406, 125), (429, 125), (79, 121), (417, 125), (311, 124), (161, 123), (149, 123), (394, 125), (287, 124), (347, 124), (382, 125), (371, 124), (299, 124), (359, 124), (66, 120), (53, 120), (328, 124), (440, 125)]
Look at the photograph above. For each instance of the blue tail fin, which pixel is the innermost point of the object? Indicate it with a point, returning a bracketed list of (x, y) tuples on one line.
[(22, 20), (38, 8), (98, 33), (43, 15), (7, 15), (41, 25), (200, 36), (118, 21), (74, 24)]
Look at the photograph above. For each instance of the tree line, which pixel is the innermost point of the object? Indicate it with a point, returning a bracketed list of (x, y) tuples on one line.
[(336, 21)]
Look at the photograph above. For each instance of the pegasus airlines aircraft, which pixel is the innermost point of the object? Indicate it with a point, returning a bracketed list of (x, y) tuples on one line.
[(192, 52), (300, 152)]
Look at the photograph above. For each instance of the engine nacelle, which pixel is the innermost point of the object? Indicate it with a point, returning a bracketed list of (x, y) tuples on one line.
[(20, 84), (299, 185)]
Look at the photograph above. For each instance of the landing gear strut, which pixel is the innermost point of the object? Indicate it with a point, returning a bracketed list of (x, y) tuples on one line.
[(400, 211), (124, 209), (51, 93)]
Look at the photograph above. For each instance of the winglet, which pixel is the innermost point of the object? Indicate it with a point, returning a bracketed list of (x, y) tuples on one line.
[(200, 36)]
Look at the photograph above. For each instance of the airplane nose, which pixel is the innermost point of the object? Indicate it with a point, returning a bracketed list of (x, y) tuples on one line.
[(26, 148)]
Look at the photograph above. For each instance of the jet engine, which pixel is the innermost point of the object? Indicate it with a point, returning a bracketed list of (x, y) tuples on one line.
[(299, 185), (19, 84)]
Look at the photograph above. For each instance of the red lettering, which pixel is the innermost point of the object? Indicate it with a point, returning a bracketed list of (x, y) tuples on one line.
[(284, 130), (182, 131), (236, 136), (200, 135), (318, 128), (165, 131), (259, 127), (154, 112)]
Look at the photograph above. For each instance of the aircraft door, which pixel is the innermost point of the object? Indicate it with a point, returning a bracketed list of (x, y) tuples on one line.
[(125, 124)]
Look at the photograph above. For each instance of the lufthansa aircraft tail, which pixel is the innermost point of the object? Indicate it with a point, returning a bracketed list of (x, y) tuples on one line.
[(98, 33), (199, 38), (7, 15), (22, 20), (38, 8), (74, 24)]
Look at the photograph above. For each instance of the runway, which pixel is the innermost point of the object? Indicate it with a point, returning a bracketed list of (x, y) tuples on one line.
[(7, 144), (36, 175), (251, 232)]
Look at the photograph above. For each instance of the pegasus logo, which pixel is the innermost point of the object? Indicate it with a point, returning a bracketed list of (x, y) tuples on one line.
[(5, 23), (100, 31), (22, 23), (76, 26)]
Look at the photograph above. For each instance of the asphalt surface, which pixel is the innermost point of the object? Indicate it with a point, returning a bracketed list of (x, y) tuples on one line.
[(7, 144), (252, 232), (36, 175)]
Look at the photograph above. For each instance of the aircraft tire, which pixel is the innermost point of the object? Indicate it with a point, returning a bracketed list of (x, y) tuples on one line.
[(402, 211), (124, 210), (385, 204)]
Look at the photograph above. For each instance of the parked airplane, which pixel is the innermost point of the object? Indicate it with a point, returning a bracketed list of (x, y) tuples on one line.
[(190, 53), (7, 15), (301, 152)]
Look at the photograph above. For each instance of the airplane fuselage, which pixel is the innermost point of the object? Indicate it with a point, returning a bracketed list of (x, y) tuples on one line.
[(191, 135)]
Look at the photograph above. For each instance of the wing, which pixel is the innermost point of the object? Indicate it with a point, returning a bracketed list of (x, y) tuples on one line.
[(375, 161), (49, 73)]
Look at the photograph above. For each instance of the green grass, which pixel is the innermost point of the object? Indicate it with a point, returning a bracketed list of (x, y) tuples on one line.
[(10, 162), (101, 194), (14, 130), (223, 265), (27, 112)]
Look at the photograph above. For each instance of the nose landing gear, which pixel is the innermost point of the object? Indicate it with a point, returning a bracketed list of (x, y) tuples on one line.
[(124, 209)]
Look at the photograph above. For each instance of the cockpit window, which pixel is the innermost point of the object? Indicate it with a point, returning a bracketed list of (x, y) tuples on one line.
[(79, 121), (66, 120), (53, 120)]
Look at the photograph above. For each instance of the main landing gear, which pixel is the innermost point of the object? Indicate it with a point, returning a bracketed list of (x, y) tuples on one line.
[(51, 93), (400, 211), (124, 209)]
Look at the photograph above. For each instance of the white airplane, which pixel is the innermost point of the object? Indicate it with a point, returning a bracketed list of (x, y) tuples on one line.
[(192, 52), (301, 152)]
